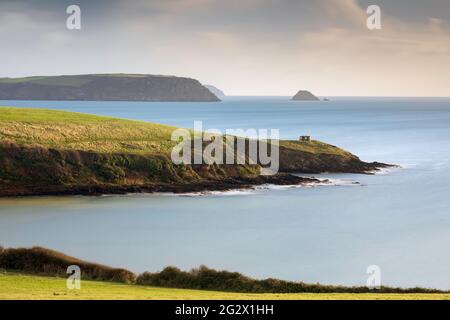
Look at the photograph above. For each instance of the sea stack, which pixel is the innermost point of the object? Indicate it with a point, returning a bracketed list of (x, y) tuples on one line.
[(304, 95)]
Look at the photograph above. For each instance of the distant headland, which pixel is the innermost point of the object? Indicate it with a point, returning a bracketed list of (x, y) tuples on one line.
[(105, 87)]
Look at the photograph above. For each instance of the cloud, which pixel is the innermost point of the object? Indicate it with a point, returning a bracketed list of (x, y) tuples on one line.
[(401, 59), (272, 47)]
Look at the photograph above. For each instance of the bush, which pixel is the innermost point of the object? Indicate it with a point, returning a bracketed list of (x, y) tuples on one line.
[(208, 279), (47, 262)]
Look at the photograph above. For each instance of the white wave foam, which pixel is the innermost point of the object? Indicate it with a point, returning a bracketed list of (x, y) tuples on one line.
[(272, 187), (386, 171), (247, 191), (233, 192), (332, 182)]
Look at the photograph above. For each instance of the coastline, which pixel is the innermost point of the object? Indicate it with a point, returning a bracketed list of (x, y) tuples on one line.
[(84, 154), (202, 186), (227, 184)]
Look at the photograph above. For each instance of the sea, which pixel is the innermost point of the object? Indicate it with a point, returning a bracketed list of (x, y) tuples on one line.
[(397, 220)]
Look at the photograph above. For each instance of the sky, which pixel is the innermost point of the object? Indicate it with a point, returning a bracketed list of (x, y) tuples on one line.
[(243, 47)]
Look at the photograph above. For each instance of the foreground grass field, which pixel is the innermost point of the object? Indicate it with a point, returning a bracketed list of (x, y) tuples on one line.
[(15, 286)]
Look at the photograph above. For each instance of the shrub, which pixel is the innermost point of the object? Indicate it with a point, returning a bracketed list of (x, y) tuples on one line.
[(209, 279), (43, 261)]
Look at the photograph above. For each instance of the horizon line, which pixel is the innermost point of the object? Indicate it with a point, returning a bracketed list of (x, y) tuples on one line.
[(334, 96)]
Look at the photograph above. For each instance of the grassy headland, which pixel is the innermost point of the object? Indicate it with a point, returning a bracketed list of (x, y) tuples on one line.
[(57, 152), (78, 131)]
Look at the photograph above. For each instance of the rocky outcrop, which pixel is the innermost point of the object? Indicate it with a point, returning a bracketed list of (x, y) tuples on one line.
[(105, 87), (297, 161), (304, 95)]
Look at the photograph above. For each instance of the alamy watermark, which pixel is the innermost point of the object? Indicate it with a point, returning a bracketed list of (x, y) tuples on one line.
[(374, 20), (374, 279), (73, 21), (235, 147), (73, 281)]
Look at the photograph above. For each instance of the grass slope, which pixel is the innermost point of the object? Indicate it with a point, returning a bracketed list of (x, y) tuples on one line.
[(15, 286), (69, 130)]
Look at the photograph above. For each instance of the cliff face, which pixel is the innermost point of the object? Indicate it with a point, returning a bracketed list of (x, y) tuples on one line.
[(113, 87), (304, 95), (43, 171), (300, 161), (36, 170)]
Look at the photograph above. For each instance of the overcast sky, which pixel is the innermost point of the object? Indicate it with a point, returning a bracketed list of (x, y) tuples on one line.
[(244, 47)]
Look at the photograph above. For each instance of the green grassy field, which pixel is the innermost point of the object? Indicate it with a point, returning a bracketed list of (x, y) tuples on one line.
[(70, 130), (17, 286)]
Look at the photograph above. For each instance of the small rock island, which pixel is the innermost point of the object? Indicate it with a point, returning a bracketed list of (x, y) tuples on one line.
[(304, 95)]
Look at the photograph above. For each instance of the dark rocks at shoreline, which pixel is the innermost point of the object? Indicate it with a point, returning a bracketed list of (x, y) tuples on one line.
[(177, 188)]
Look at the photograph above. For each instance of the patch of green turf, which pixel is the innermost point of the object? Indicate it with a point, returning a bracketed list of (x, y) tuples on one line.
[(70, 130), (27, 287)]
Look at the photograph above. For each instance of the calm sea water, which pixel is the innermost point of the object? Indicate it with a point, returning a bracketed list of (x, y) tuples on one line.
[(399, 220)]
